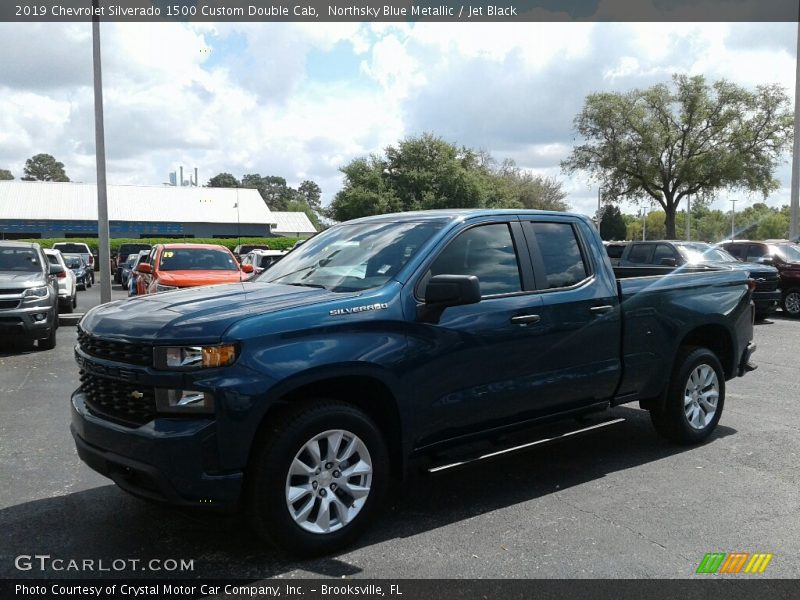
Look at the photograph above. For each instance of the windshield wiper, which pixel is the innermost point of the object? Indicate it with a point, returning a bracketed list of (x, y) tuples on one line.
[(311, 285)]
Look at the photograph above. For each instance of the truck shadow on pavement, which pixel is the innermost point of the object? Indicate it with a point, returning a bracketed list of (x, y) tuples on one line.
[(105, 523)]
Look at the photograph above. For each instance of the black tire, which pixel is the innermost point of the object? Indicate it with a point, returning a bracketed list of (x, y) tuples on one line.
[(791, 302), (265, 489), (69, 305), (75, 300), (671, 420), (117, 278), (49, 342)]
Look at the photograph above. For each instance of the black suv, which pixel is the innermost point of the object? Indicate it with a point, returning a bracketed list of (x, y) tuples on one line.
[(28, 294), (784, 256)]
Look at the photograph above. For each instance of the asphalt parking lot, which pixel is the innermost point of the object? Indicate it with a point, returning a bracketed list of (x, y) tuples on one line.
[(619, 502)]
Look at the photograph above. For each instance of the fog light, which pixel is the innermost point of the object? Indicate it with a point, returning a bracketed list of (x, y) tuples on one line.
[(184, 401), (39, 317)]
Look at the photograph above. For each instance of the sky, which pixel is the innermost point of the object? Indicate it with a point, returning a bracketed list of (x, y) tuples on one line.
[(300, 100)]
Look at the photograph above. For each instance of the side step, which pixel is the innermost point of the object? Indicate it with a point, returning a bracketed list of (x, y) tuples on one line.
[(546, 440)]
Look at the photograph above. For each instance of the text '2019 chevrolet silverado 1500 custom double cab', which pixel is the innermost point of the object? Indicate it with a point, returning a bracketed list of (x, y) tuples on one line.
[(385, 339)]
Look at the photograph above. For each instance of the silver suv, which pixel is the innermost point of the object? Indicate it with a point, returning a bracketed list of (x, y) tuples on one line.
[(28, 294)]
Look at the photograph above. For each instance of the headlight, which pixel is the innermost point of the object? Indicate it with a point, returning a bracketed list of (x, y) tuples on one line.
[(165, 288), (195, 357), (184, 401), (37, 292)]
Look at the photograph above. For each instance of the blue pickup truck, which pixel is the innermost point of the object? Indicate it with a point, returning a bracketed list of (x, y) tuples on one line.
[(388, 339)]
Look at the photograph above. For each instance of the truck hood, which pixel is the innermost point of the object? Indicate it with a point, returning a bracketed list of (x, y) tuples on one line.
[(196, 315), (17, 280)]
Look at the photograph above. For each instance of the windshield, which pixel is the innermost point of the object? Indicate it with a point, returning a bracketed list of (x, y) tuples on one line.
[(700, 253), (350, 258), (25, 260), (197, 259), (786, 252), (73, 262)]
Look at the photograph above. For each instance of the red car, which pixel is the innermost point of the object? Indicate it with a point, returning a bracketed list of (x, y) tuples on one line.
[(175, 266)]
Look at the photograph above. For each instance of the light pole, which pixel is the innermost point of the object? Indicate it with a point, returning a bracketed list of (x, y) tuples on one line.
[(104, 253), (733, 219), (644, 223), (795, 196), (688, 218)]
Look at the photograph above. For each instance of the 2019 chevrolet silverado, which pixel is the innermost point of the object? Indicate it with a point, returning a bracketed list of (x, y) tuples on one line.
[(385, 340)]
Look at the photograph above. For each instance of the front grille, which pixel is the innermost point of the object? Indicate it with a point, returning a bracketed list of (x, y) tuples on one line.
[(124, 352), (6, 304), (12, 292), (119, 401), (766, 284)]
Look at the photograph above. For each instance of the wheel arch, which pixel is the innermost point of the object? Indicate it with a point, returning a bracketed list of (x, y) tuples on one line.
[(367, 391)]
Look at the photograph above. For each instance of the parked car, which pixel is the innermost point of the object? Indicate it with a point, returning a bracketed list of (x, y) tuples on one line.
[(667, 255), (784, 256), (299, 395), (242, 249), (84, 251), (133, 277), (127, 267), (75, 263), (262, 259), (28, 294), (614, 251), (67, 288), (119, 259), (174, 266)]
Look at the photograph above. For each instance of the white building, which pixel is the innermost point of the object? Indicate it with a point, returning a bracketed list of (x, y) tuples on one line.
[(33, 209)]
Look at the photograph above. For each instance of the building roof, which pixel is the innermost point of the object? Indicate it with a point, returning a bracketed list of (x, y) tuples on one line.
[(38, 200), (291, 222)]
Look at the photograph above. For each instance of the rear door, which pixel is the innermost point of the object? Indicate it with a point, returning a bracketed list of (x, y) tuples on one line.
[(578, 347)]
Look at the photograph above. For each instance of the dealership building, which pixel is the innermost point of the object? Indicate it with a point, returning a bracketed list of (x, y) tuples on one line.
[(34, 209)]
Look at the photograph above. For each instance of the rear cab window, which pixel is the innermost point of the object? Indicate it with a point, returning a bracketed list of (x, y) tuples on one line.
[(558, 256)]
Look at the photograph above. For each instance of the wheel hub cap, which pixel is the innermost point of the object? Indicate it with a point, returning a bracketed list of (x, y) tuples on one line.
[(701, 396), (328, 481)]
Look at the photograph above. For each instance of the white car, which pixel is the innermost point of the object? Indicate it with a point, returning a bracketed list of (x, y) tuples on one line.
[(67, 289)]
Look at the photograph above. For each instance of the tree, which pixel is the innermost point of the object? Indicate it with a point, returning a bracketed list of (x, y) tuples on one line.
[(223, 180), (43, 167), (273, 190), (612, 223), (694, 138), (311, 193), (5, 175), (427, 172)]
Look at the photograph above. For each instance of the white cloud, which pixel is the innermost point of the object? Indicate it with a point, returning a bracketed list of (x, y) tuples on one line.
[(261, 100)]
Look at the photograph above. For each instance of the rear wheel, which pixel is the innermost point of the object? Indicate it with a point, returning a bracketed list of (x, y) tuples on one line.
[(68, 305), (791, 303), (317, 478), (695, 398)]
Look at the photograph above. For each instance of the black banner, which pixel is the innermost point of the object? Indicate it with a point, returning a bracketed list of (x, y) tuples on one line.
[(400, 10), (744, 588)]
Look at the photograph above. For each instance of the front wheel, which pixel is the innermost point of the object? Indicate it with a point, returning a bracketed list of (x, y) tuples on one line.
[(317, 477), (695, 398), (791, 303)]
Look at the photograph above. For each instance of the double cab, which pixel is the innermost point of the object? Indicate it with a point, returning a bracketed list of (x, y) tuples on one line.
[(385, 341)]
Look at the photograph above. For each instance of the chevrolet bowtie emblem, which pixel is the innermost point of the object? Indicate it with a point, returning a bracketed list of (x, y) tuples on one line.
[(137, 395)]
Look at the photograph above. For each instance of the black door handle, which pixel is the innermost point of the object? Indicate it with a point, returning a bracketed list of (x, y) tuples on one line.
[(601, 310), (525, 319)]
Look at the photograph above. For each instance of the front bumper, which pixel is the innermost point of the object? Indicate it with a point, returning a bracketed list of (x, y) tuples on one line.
[(168, 460), (22, 321), (766, 302)]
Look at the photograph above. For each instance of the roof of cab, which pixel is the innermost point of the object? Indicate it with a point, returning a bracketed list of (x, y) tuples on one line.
[(447, 214)]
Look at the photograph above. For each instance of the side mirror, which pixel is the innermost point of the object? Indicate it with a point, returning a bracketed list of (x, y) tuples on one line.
[(56, 269), (669, 262), (452, 290), (144, 268), (247, 268)]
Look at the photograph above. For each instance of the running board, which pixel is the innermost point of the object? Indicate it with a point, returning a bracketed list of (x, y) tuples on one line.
[(523, 446)]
